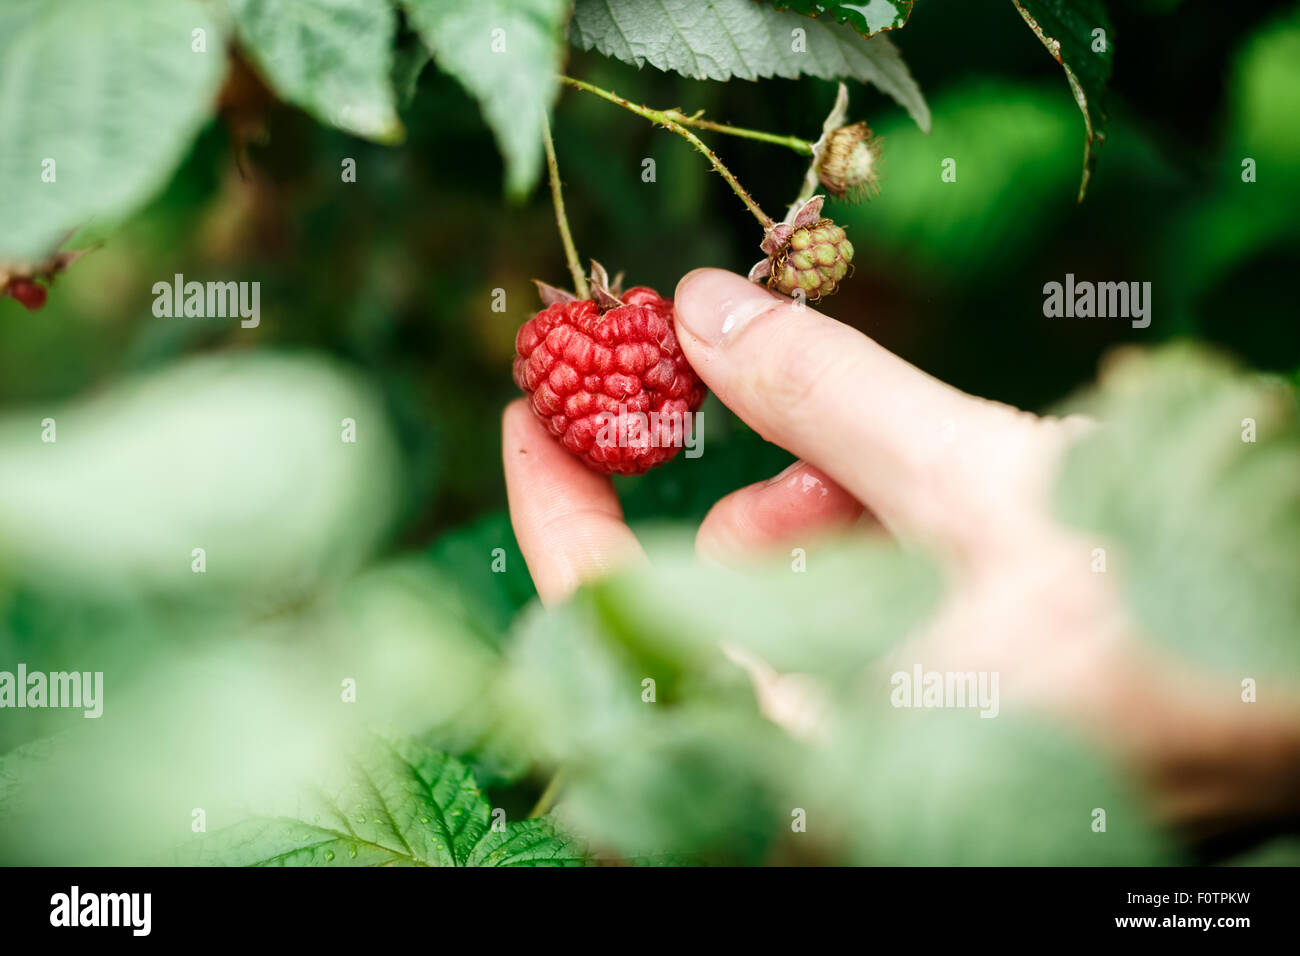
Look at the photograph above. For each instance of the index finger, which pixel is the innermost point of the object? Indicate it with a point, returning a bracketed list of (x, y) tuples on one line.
[(909, 446), (566, 517)]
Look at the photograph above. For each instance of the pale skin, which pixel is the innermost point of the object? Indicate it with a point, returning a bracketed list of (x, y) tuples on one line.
[(886, 449)]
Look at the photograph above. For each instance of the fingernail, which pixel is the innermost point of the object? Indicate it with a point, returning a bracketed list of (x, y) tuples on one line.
[(714, 305), (786, 472)]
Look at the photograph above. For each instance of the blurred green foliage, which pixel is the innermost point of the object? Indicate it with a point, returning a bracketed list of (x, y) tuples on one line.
[(1210, 535)]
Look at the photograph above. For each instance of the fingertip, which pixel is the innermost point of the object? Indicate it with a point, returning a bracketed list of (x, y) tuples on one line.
[(828, 393), (713, 304), (523, 439), (566, 517), (515, 417), (693, 277)]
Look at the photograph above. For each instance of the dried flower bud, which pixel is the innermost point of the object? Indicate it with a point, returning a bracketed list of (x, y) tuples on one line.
[(848, 162)]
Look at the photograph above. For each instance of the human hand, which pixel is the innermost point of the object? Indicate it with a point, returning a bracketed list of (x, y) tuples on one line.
[(968, 479)]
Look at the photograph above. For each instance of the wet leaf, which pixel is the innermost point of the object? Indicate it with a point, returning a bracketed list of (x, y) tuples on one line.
[(393, 803), (867, 18)]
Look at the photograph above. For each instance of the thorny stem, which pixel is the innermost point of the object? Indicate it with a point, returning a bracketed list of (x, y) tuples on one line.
[(561, 220), (801, 146), (547, 799), (671, 119)]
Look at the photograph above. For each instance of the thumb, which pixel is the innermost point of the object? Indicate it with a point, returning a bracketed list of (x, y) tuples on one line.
[(882, 428)]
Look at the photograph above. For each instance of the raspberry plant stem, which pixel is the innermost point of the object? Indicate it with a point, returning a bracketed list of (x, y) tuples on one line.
[(800, 146), (561, 220), (670, 119), (547, 799)]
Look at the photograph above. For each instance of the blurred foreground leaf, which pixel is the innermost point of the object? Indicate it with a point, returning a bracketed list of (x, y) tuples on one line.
[(564, 688), (99, 99), (239, 455), (658, 758), (331, 57), (906, 787), (16, 768), (225, 712), (853, 602), (1195, 477), (704, 783), (665, 750), (628, 688)]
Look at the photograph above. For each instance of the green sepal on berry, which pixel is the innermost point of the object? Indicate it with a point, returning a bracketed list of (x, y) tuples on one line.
[(807, 254)]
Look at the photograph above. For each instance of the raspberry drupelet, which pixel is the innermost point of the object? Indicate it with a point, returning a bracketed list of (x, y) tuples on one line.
[(607, 376)]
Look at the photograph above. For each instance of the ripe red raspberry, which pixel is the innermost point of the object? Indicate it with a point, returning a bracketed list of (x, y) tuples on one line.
[(30, 294), (589, 366)]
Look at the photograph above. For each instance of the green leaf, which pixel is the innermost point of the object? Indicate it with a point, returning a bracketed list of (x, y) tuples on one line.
[(868, 19), (424, 652), (857, 600), (699, 782), (719, 39), (692, 771), (1068, 29), (566, 690), (229, 713), (905, 787), (496, 584), (695, 769), (16, 768), (201, 454), (402, 633), (395, 802), (507, 54), (112, 93), (410, 57), (1204, 522), (333, 58)]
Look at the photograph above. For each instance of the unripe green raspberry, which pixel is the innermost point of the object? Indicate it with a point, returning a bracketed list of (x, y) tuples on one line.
[(814, 261), (807, 255)]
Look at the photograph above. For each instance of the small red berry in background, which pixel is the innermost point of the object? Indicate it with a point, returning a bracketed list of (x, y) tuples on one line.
[(20, 279), (30, 294), (589, 366)]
